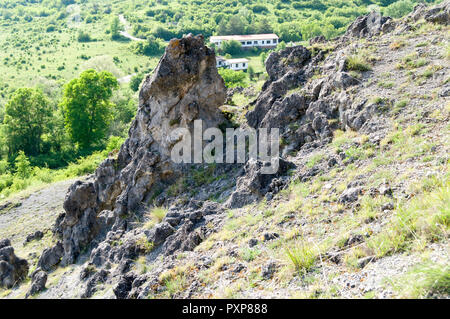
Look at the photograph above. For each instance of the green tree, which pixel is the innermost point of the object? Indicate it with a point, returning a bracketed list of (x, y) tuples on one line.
[(399, 9), (26, 116), (115, 28), (251, 72), (86, 106), (136, 82), (231, 47), (23, 167), (232, 78)]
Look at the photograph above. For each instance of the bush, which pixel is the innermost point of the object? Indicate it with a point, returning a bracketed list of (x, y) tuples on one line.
[(151, 47), (3, 167), (232, 78), (231, 47), (136, 82), (23, 167), (357, 63), (399, 9), (83, 36), (114, 144)]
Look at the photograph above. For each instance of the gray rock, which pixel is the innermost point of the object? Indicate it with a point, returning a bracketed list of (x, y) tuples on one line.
[(12, 268), (268, 270), (185, 86), (51, 257), (38, 281), (35, 236), (160, 232), (368, 25), (254, 184), (350, 195), (252, 242), (363, 262)]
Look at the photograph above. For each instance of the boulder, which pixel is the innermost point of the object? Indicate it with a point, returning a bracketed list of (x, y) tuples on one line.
[(12, 268), (51, 257), (38, 281)]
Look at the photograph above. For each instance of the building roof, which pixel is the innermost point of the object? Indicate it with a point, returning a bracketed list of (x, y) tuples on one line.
[(247, 37), (237, 61)]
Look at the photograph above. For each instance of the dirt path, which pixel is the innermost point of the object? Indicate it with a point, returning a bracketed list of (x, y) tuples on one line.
[(126, 78), (127, 27), (37, 211)]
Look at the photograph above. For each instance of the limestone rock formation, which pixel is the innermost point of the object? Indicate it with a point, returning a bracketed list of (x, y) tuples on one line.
[(184, 87), (12, 268)]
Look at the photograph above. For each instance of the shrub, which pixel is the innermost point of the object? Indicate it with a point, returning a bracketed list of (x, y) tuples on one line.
[(231, 47), (357, 63), (23, 167), (3, 167), (232, 78), (114, 144), (83, 36), (302, 256)]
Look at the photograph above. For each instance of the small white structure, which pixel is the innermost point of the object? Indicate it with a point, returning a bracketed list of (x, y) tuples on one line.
[(233, 64), (248, 41)]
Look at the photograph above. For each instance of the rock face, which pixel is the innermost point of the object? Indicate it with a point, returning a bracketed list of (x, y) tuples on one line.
[(437, 14), (184, 87), (12, 268), (254, 185), (285, 69), (369, 25)]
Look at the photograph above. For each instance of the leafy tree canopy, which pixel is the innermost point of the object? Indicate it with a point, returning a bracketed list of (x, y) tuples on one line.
[(86, 106)]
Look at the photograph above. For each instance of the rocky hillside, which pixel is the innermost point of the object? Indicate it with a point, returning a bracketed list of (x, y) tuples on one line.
[(358, 208)]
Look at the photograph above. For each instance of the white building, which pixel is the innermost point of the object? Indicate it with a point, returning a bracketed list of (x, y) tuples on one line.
[(233, 64), (267, 41)]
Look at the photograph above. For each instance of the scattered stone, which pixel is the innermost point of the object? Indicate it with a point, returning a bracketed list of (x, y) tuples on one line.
[(387, 206), (385, 190), (252, 242), (239, 267), (350, 195), (270, 236), (362, 262), (268, 270), (35, 236), (38, 281)]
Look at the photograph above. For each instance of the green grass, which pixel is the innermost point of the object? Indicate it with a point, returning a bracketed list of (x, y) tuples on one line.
[(157, 214), (249, 254), (11, 184), (424, 219), (424, 281), (302, 256), (357, 63)]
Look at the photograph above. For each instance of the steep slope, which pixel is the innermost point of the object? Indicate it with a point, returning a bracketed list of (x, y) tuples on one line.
[(358, 209)]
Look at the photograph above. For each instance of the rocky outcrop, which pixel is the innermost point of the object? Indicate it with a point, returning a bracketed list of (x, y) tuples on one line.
[(184, 87), (369, 25), (437, 14), (12, 268), (254, 185)]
